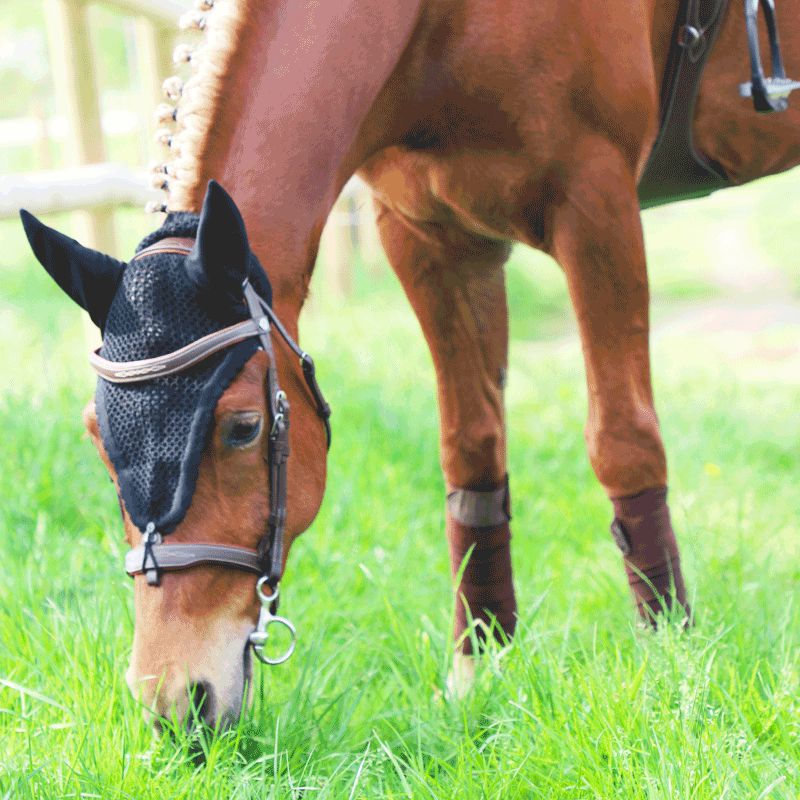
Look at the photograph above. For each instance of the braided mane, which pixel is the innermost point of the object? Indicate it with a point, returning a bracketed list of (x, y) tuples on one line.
[(198, 102)]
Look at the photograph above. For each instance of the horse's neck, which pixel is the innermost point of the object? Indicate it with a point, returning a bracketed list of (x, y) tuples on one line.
[(283, 126)]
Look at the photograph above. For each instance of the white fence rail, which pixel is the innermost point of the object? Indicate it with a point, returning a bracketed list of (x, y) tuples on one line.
[(76, 189)]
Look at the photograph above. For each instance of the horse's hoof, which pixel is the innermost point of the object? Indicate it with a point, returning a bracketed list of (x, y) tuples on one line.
[(461, 677)]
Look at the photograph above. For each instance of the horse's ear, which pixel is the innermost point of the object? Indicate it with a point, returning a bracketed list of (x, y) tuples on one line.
[(221, 252), (88, 277)]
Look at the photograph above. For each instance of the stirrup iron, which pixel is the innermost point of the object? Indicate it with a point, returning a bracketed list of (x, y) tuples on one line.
[(769, 94)]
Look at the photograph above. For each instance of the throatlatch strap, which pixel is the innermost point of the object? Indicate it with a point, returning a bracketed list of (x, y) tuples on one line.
[(478, 509), (271, 546)]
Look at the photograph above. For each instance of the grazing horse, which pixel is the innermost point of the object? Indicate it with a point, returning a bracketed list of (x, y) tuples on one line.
[(476, 123)]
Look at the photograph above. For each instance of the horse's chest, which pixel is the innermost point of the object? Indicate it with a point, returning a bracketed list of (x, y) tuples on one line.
[(483, 193)]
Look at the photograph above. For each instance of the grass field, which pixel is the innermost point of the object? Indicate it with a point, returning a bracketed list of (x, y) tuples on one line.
[(583, 705)]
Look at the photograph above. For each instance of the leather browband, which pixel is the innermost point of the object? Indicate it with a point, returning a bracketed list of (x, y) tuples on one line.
[(174, 557), (178, 360), (177, 245)]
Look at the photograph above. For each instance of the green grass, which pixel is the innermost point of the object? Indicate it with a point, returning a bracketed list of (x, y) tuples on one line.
[(583, 705)]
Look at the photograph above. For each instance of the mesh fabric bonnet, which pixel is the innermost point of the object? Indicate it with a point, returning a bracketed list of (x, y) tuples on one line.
[(155, 431)]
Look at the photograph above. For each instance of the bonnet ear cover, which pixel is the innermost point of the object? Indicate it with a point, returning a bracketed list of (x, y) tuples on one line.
[(90, 278), (155, 431), (219, 259)]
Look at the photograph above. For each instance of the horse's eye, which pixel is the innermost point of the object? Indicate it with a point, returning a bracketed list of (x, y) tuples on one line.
[(242, 430)]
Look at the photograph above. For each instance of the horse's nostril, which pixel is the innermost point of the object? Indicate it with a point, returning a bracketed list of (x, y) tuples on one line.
[(200, 699)]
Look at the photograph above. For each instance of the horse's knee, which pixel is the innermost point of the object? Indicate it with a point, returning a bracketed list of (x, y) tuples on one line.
[(473, 455), (627, 455)]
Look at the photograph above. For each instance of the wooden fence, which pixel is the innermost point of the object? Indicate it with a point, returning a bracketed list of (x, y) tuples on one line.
[(94, 188), (74, 72)]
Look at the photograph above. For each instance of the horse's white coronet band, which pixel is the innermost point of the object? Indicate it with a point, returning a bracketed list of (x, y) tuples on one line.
[(461, 677)]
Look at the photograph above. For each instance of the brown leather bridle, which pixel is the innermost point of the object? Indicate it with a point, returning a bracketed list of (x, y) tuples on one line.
[(153, 556)]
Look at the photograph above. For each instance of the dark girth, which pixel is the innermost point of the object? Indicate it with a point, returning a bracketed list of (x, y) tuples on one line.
[(676, 170)]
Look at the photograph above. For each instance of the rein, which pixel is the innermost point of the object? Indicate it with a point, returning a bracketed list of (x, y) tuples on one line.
[(154, 556)]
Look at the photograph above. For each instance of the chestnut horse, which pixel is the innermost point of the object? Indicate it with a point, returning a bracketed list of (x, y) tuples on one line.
[(476, 123)]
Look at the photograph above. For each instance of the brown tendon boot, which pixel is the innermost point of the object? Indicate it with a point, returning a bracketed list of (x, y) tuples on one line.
[(481, 518), (643, 532)]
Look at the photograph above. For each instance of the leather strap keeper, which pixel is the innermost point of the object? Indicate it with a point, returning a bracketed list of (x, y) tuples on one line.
[(480, 509), (643, 531)]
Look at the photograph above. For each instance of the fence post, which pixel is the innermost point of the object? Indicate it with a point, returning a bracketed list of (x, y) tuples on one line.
[(44, 158), (73, 69), (154, 59), (73, 75), (338, 250)]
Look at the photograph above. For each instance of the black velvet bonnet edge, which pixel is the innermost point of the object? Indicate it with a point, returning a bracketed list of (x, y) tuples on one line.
[(185, 224)]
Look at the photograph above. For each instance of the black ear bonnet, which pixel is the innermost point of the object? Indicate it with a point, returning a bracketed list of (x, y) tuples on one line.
[(90, 278), (155, 432)]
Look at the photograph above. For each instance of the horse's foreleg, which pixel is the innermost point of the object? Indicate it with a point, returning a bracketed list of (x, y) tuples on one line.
[(596, 236), (456, 286)]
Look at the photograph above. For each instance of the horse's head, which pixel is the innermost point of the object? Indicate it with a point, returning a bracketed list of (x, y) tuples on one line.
[(194, 437)]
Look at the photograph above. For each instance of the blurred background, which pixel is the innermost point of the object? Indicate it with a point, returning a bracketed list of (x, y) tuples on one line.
[(79, 84), (78, 87)]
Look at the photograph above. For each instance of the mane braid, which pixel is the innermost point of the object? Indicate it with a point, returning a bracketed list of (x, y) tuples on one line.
[(199, 103)]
